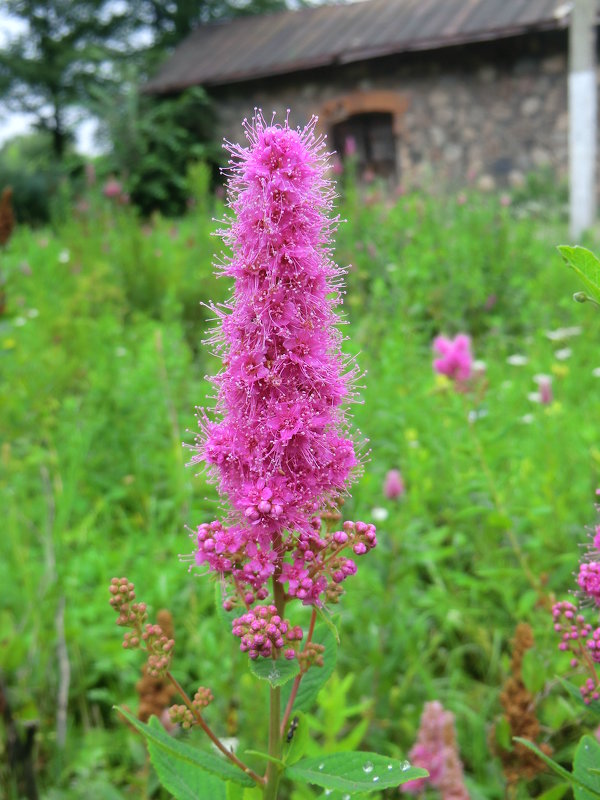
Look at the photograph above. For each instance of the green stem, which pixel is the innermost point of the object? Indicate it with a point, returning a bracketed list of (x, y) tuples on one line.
[(273, 773), (273, 770)]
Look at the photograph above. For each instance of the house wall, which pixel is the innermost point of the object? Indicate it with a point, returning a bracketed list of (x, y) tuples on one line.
[(485, 114)]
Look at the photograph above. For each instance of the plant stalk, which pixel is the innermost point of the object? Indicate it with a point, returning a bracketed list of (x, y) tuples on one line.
[(212, 736), (273, 770), (273, 773)]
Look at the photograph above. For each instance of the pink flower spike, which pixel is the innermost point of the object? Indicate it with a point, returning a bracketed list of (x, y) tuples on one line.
[(278, 445), (436, 750), (456, 360)]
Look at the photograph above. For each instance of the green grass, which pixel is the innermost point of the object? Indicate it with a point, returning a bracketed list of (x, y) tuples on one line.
[(102, 363)]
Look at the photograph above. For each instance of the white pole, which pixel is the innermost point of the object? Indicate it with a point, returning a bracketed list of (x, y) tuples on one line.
[(582, 116)]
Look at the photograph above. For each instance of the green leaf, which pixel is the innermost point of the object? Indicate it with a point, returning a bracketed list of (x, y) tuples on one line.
[(556, 792), (316, 677), (184, 780), (295, 749), (503, 734), (266, 756), (235, 792), (587, 267), (573, 779), (327, 620), (276, 672), (354, 772), (587, 758), (183, 753), (532, 671), (575, 693)]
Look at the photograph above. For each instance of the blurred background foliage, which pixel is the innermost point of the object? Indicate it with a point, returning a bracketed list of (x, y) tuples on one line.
[(102, 362), (92, 58), (102, 317)]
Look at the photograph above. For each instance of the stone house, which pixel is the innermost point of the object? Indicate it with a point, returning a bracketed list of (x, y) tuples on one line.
[(427, 92)]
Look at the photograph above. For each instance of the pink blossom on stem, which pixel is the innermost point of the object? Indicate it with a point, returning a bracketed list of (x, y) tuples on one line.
[(456, 359), (279, 448)]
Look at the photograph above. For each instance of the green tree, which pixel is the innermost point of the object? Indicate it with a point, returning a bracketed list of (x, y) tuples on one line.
[(67, 48)]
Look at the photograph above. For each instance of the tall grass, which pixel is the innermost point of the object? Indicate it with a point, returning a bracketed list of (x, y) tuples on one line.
[(101, 365)]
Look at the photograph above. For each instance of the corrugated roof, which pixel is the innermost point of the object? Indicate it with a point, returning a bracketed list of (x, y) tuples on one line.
[(256, 47)]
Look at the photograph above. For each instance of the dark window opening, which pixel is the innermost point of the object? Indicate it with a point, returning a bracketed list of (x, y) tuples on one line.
[(370, 139)]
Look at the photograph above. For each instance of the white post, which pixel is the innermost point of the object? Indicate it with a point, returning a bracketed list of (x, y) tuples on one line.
[(582, 116)]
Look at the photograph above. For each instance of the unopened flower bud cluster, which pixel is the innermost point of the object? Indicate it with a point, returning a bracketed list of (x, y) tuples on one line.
[(263, 632), (133, 615), (184, 716)]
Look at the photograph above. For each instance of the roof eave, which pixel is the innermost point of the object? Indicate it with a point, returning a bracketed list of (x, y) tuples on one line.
[(365, 54)]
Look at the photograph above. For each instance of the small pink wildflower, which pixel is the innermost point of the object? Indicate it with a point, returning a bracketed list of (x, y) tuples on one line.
[(393, 485), (436, 750), (456, 358)]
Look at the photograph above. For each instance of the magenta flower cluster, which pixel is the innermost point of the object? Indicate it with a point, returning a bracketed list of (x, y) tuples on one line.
[(577, 636), (279, 449), (456, 359)]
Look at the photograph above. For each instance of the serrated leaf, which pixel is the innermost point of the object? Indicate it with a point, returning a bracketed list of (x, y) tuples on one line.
[(182, 752), (276, 672), (296, 747), (185, 781), (354, 772), (587, 758), (316, 677), (586, 266)]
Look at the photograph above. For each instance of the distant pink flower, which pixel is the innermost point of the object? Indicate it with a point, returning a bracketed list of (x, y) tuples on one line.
[(350, 146), (456, 358), (436, 750), (544, 383), (112, 188), (393, 486), (544, 393), (337, 166)]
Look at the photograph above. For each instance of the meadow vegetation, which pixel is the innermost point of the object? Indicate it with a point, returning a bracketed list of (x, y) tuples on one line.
[(102, 362)]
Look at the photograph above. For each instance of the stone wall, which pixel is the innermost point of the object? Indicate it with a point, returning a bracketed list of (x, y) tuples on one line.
[(484, 114)]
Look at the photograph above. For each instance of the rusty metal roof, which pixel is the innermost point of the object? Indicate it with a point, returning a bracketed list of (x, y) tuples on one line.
[(275, 44)]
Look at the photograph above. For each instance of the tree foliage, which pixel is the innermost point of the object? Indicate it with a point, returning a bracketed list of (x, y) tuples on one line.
[(66, 48)]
